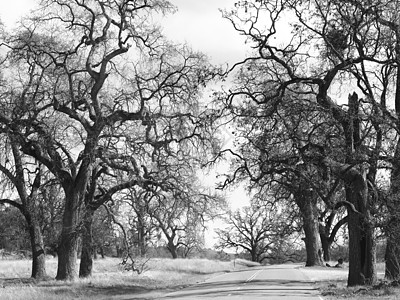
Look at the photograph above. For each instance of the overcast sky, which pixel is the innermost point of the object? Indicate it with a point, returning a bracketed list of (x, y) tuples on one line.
[(200, 24), (197, 22)]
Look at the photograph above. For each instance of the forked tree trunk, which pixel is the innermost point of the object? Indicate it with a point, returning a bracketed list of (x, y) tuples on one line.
[(86, 265), (327, 234)]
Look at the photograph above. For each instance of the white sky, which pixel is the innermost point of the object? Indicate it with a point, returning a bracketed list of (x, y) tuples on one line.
[(197, 22), (12, 10), (200, 24)]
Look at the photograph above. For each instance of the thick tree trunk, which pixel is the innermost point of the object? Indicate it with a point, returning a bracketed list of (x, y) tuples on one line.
[(361, 236), (254, 256), (356, 251), (67, 255), (312, 242), (86, 265), (68, 247), (307, 204), (392, 255), (37, 246)]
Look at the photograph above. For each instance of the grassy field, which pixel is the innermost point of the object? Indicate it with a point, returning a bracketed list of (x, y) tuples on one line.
[(109, 280)]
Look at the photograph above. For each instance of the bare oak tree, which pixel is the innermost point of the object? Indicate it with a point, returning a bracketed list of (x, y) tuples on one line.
[(98, 68)]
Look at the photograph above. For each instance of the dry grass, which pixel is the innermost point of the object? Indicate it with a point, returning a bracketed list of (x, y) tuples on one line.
[(333, 285), (109, 281), (325, 273), (339, 290)]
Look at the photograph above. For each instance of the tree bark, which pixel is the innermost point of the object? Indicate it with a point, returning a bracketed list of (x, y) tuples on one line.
[(312, 243), (28, 208), (95, 252), (326, 246), (141, 234), (254, 255), (68, 247), (306, 201), (392, 253), (86, 264), (172, 248), (361, 236), (37, 246), (327, 235)]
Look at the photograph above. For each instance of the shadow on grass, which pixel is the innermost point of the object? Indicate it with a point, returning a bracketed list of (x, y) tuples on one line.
[(82, 290), (13, 282)]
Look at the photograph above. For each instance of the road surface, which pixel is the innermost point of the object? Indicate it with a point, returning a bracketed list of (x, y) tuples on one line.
[(280, 282)]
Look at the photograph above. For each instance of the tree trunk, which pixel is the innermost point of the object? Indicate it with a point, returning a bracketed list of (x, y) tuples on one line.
[(326, 246), (172, 249), (361, 236), (68, 247), (310, 227), (307, 204), (37, 246), (86, 265), (141, 236), (361, 232), (254, 256), (95, 252), (392, 254)]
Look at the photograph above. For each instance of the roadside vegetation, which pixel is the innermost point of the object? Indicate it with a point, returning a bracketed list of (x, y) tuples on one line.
[(332, 283), (109, 280)]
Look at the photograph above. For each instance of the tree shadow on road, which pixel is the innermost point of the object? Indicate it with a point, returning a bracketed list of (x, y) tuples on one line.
[(247, 289)]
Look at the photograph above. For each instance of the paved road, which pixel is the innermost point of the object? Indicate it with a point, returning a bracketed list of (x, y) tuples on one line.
[(281, 282)]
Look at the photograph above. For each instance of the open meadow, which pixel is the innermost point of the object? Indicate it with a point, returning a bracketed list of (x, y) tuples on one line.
[(109, 280)]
